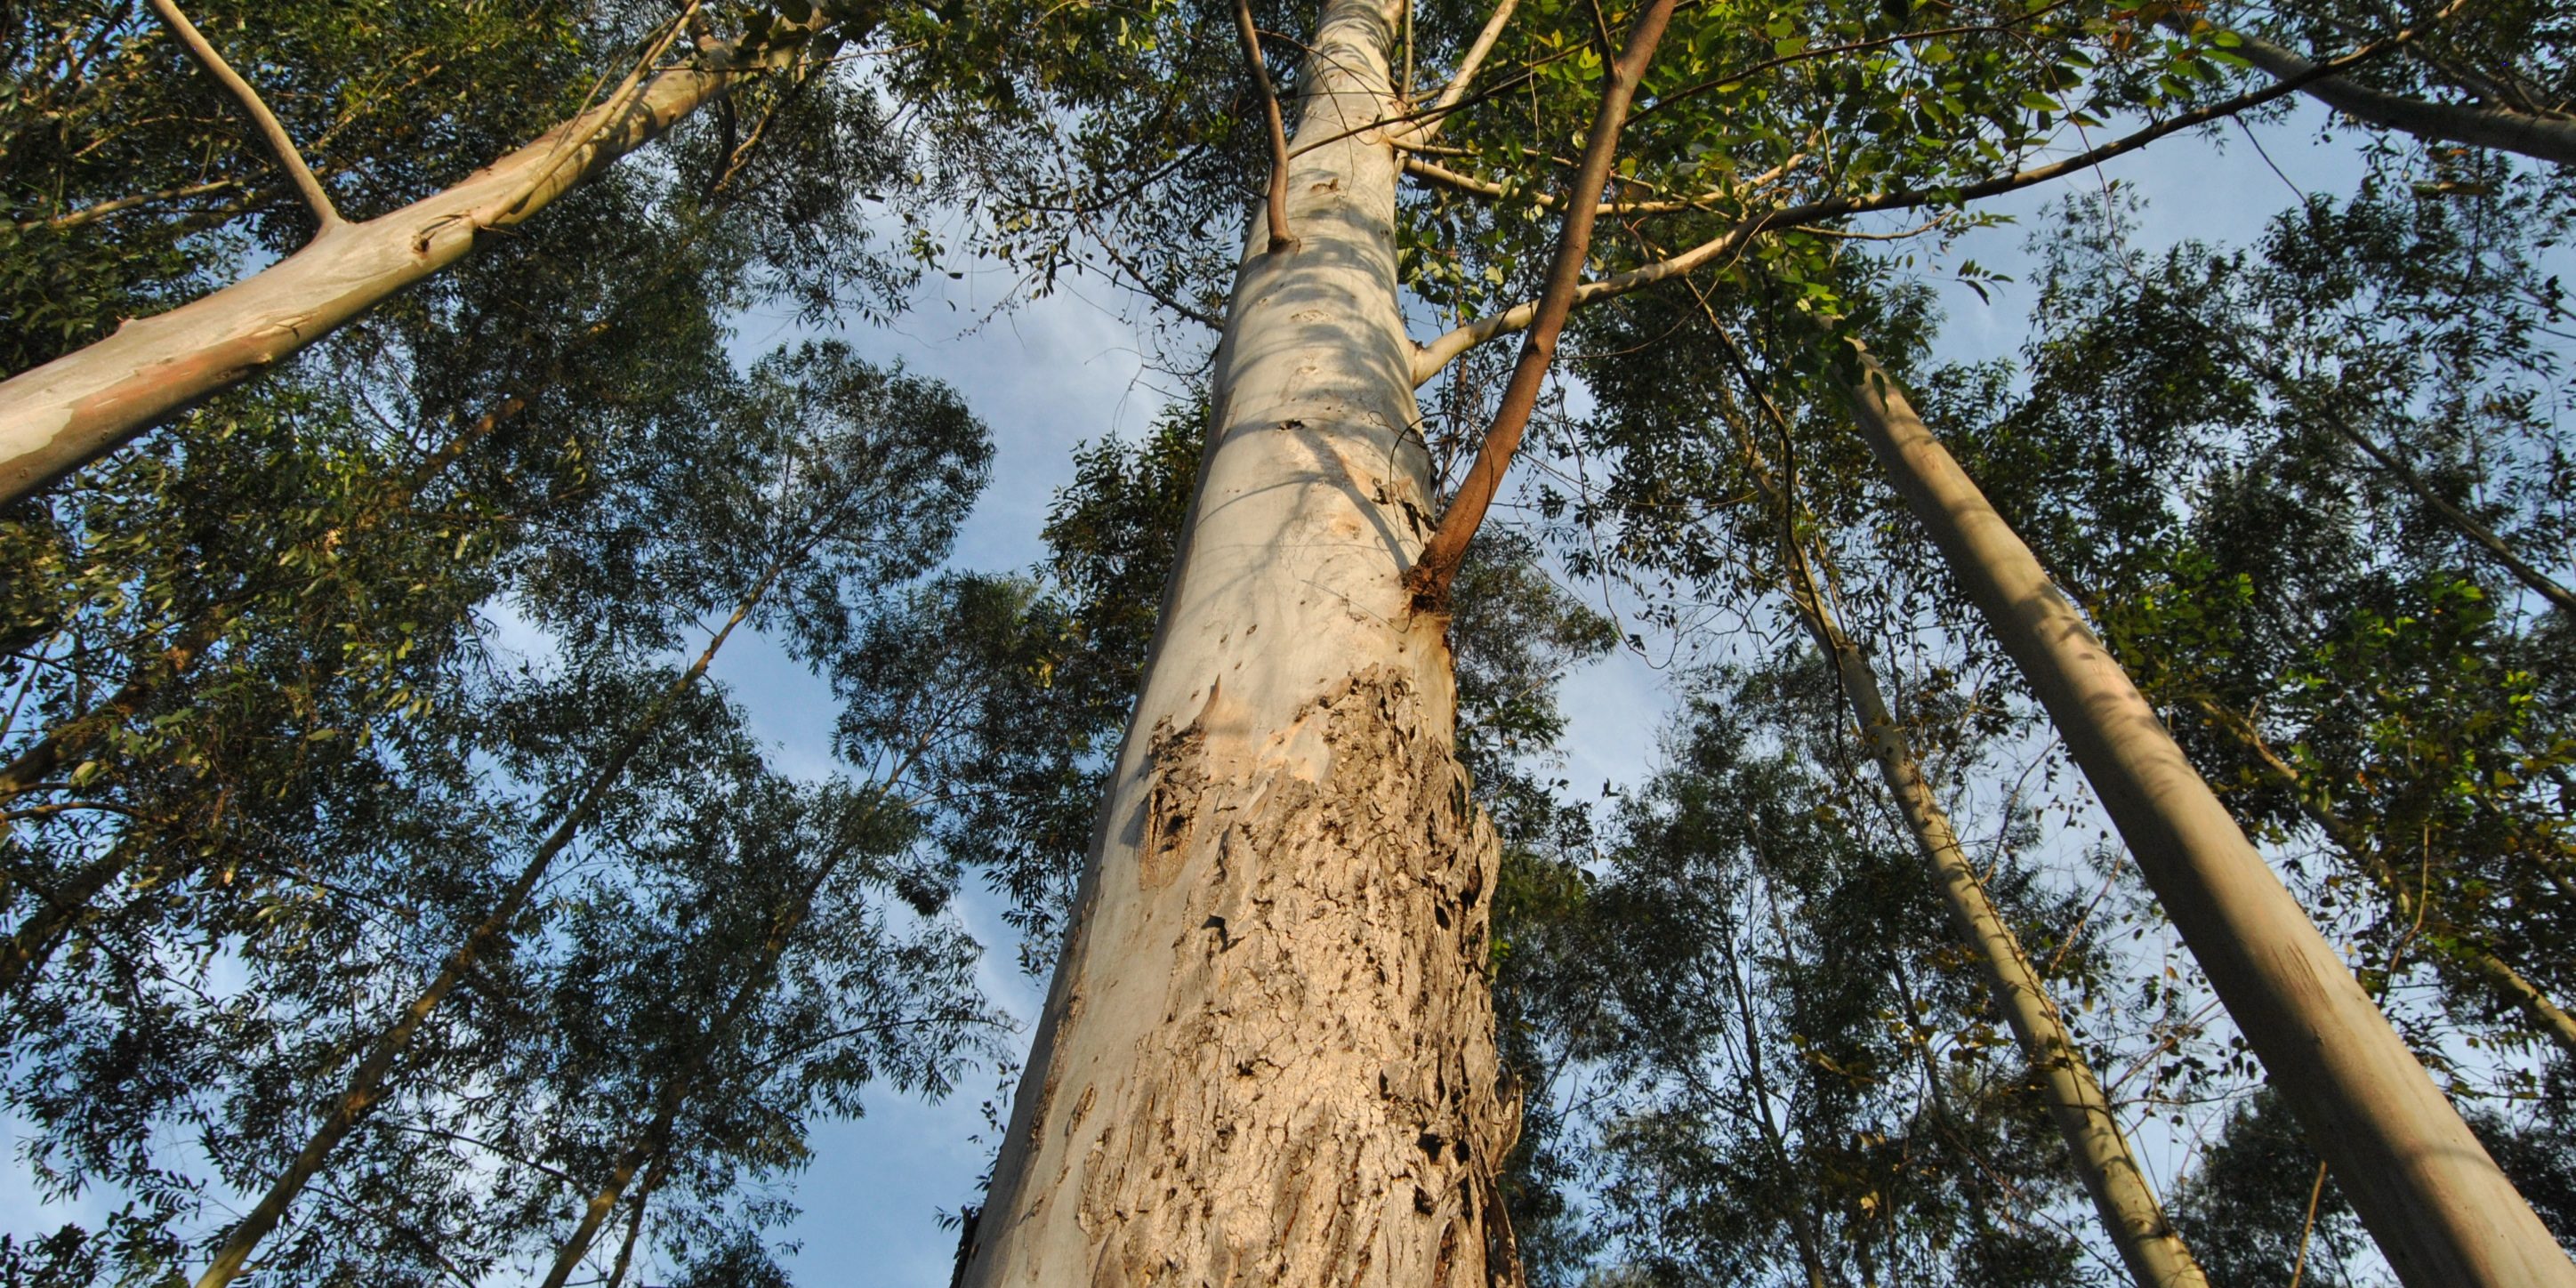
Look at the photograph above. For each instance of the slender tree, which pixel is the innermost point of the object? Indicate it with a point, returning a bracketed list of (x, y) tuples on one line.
[(2438, 1205)]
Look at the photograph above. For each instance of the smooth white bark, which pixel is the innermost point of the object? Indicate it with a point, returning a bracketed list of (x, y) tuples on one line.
[(68, 412)]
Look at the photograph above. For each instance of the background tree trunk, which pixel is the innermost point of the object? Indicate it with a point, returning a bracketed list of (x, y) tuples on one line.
[(2441, 1211), (1268, 1054), (2136, 1223)]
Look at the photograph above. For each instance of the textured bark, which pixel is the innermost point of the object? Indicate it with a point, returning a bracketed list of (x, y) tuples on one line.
[(1268, 1055), (70, 411), (2441, 1211)]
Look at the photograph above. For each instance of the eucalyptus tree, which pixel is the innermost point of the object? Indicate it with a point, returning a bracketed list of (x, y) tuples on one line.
[(2377, 680), (98, 387), (379, 895), (1299, 676)]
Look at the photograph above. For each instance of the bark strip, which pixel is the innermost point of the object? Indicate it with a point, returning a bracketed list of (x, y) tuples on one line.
[(2440, 1209)]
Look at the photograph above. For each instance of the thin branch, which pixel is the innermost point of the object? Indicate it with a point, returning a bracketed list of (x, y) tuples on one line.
[(1465, 77), (1430, 576), (94, 213), (1827, 51), (1430, 359), (265, 121), (1280, 238), (1473, 186)]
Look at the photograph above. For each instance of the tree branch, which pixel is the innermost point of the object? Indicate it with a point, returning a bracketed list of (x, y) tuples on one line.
[(2503, 129), (1280, 238), (1430, 359), (261, 119), (1464, 78), (1475, 187), (1431, 574)]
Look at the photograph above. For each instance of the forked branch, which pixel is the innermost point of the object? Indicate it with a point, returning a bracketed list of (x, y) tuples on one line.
[(1430, 577), (1280, 238), (261, 119)]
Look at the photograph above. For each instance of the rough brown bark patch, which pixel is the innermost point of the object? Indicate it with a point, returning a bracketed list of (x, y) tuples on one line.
[(1329, 1004)]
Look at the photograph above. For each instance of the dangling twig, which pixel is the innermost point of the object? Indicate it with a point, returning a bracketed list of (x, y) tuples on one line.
[(265, 121)]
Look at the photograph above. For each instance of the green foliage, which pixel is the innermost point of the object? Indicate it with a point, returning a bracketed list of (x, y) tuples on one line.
[(1768, 1049)]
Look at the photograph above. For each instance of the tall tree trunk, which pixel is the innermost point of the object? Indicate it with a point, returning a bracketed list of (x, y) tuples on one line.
[(2131, 1216), (2441, 1211), (70, 411), (2149, 1245), (1268, 1053)]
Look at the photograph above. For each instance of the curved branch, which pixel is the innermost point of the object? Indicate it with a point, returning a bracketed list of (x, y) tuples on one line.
[(1430, 359), (2503, 129), (78, 407), (1280, 238), (274, 134), (1463, 79)]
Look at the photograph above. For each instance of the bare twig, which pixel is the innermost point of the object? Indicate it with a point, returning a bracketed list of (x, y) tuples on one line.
[(2308, 1228), (1430, 576), (94, 213), (1280, 238), (265, 121)]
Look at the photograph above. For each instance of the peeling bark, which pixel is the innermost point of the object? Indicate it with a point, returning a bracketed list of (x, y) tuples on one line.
[(1268, 1055)]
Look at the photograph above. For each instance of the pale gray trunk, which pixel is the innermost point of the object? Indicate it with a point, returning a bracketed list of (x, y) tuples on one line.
[(1268, 1055), (2136, 1223), (2153, 1251), (68, 412), (2546, 1017), (2440, 1209)]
